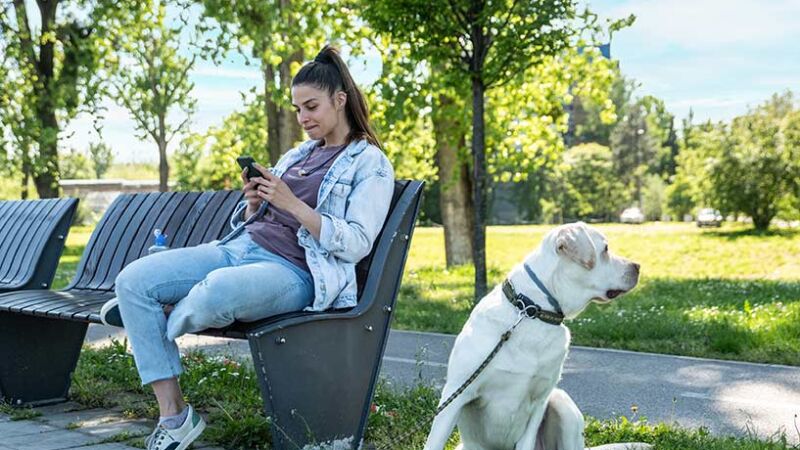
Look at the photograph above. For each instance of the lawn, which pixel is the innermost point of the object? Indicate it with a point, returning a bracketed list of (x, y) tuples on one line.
[(728, 293)]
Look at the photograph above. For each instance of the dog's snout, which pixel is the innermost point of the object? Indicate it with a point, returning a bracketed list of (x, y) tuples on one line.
[(635, 268)]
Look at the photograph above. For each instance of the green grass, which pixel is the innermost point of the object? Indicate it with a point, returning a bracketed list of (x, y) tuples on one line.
[(728, 293), (227, 393)]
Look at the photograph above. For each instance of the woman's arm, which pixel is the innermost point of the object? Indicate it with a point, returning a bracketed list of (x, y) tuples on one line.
[(351, 238), (278, 194)]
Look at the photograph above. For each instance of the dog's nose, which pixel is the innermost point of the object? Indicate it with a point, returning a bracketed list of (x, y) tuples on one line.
[(636, 268)]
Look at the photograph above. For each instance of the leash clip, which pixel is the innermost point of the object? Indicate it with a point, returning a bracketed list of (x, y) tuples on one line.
[(531, 310)]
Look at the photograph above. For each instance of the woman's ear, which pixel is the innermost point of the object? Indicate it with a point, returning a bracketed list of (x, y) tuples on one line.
[(340, 100)]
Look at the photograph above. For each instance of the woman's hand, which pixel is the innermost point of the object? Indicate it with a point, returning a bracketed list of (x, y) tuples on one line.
[(274, 190), (250, 190)]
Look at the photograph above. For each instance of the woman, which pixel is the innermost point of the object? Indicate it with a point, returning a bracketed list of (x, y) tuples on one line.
[(296, 238)]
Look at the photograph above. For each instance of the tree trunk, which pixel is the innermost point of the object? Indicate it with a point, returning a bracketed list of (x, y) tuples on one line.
[(26, 173), (163, 164), (454, 186), (46, 178), (479, 187), (289, 128), (271, 113)]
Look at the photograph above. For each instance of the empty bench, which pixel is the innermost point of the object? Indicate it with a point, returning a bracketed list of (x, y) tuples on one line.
[(32, 236), (336, 354)]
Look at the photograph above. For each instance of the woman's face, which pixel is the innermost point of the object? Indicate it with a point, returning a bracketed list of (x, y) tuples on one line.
[(317, 112)]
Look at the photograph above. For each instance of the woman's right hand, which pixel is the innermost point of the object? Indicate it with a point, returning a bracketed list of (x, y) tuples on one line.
[(250, 191)]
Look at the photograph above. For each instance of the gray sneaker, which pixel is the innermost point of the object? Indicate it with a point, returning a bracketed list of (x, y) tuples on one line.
[(178, 439), (109, 313)]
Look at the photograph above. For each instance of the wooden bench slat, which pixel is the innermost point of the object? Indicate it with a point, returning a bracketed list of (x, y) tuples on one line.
[(48, 214), (14, 234), (118, 235), (93, 251), (133, 227)]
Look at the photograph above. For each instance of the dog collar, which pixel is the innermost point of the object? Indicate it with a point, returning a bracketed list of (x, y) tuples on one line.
[(528, 306)]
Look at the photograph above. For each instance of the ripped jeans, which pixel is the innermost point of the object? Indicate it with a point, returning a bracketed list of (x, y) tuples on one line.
[(210, 286)]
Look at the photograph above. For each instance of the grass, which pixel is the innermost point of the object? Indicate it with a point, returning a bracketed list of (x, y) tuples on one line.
[(227, 393), (729, 293)]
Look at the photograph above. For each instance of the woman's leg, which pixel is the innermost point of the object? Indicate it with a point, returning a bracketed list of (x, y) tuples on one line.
[(263, 285), (147, 284)]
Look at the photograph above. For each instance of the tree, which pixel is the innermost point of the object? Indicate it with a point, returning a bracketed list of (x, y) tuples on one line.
[(207, 160), (75, 165), (592, 189), (156, 81), (756, 169), (102, 158), (279, 35), (486, 43), (634, 149), (58, 67)]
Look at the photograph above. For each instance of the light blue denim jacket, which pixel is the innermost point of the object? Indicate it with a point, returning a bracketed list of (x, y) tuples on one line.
[(353, 200)]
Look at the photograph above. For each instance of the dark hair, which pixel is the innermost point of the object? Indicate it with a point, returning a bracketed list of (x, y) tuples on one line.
[(329, 73)]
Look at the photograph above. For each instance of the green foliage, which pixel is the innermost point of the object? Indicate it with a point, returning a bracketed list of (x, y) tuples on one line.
[(757, 164), (593, 191), (634, 148), (208, 160), (155, 82), (102, 158), (654, 197), (76, 165), (54, 72)]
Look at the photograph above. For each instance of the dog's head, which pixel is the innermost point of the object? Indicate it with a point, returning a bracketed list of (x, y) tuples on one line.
[(576, 265)]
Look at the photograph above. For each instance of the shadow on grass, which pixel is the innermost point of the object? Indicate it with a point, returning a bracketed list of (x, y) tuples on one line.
[(752, 232)]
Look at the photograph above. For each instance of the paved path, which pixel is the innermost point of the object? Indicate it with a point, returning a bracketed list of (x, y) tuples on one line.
[(727, 397)]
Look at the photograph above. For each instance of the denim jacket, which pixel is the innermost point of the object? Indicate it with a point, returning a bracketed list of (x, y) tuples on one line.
[(353, 201)]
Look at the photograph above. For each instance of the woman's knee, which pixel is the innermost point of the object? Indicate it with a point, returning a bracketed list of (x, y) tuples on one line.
[(131, 279)]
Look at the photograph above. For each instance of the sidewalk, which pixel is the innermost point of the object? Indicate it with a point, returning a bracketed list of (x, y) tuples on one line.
[(71, 426), (724, 396)]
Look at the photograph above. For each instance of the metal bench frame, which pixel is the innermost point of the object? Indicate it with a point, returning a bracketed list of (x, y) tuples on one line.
[(317, 371)]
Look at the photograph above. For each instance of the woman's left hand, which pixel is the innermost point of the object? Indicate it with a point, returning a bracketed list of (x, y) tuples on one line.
[(274, 190)]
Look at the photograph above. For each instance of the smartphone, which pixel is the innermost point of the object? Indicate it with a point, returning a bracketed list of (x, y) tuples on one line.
[(249, 163)]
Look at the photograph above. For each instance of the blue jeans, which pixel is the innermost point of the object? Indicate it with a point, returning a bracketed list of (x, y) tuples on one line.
[(210, 285)]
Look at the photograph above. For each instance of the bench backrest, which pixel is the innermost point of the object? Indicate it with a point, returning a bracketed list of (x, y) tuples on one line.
[(125, 231), (32, 236)]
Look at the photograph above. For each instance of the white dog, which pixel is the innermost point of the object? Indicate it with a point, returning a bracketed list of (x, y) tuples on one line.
[(513, 403)]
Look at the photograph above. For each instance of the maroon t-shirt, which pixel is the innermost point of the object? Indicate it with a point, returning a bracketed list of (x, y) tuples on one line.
[(276, 231)]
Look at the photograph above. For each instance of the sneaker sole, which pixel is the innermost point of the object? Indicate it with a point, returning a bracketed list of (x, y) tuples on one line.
[(194, 434), (107, 306)]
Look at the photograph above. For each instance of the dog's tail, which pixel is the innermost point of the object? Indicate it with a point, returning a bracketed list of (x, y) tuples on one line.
[(624, 446)]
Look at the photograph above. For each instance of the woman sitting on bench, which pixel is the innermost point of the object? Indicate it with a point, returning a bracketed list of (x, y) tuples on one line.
[(296, 239)]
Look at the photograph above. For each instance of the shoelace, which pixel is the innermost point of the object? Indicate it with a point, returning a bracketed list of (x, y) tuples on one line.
[(156, 437)]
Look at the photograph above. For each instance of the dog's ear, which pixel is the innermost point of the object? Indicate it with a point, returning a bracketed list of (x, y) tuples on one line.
[(574, 242)]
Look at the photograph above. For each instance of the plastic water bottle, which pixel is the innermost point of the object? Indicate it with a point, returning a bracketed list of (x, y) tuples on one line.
[(160, 242)]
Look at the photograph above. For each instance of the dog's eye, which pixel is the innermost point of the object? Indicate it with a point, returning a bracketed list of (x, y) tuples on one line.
[(605, 250)]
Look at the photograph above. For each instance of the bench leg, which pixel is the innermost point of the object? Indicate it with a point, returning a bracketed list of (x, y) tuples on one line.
[(37, 358), (316, 384)]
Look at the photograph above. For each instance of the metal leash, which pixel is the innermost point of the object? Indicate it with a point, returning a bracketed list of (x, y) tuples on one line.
[(458, 391)]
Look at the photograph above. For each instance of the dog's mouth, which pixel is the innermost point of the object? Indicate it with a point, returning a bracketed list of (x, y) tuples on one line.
[(614, 293)]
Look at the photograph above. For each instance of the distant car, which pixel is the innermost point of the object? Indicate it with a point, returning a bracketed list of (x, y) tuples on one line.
[(632, 215), (709, 217)]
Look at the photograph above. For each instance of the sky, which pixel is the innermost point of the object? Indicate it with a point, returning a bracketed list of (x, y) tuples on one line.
[(715, 57)]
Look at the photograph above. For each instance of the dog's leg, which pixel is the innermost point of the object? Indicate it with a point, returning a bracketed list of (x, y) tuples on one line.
[(529, 436), (445, 421), (562, 426)]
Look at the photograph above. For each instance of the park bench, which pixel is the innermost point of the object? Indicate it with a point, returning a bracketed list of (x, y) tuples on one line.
[(32, 236), (317, 371)]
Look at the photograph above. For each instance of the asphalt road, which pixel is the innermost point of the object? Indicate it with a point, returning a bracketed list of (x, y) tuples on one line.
[(730, 398)]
